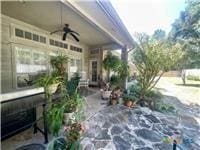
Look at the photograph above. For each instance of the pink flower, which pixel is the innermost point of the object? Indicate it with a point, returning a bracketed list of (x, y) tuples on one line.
[(66, 128)]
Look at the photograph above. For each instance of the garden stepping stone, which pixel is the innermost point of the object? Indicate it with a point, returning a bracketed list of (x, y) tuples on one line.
[(148, 135), (122, 128), (116, 130), (121, 144)]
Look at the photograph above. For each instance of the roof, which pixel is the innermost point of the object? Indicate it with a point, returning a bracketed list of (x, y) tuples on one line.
[(96, 20), (103, 15)]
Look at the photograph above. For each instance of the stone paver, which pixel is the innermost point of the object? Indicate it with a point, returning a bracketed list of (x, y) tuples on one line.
[(121, 128)]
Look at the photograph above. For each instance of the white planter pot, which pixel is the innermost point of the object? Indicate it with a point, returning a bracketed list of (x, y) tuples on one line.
[(105, 94), (69, 118), (52, 88)]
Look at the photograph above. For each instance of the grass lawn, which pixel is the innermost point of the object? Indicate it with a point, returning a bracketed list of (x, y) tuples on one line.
[(189, 93), (178, 81)]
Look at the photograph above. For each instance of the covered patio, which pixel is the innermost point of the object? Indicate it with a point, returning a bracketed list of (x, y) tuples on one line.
[(94, 103), (27, 46)]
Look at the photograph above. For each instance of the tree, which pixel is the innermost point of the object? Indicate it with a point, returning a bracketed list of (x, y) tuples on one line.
[(159, 34), (152, 59), (186, 31), (111, 63)]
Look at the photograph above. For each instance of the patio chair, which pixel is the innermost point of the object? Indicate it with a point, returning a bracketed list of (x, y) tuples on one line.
[(83, 82)]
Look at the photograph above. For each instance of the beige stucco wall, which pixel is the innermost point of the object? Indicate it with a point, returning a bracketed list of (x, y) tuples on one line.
[(8, 65)]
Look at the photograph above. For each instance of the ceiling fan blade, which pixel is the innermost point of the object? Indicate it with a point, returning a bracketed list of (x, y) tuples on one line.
[(64, 36), (74, 36), (55, 31), (74, 32)]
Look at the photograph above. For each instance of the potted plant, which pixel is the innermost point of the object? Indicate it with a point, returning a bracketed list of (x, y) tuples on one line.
[(72, 84), (58, 143), (49, 82), (111, 63), (73, 136), (115, 95), (106, 91), (73, 109), (70, 140), (69, 111), (55, 118), (59, 63), (129, 100)]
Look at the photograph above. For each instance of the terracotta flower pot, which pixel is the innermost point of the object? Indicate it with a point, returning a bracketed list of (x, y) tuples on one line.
[(113, 102), (129, 103)]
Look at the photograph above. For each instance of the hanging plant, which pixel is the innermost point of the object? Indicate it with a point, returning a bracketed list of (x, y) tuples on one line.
[(111, 63), (59, 63)]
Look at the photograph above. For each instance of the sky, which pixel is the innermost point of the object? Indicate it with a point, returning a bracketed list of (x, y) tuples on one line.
[(148, 15)]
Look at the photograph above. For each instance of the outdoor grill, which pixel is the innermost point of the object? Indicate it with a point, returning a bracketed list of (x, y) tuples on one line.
[(19, 114)]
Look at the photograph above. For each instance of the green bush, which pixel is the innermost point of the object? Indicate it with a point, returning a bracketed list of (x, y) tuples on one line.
[(135, 91), (127, 97), (114, 80), (163, 107), (192, 77), (155, 95)]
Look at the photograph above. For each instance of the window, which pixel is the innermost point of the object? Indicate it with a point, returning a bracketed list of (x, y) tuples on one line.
[(78, 64), (75, 66), (71, 47), (94, 51), (36, 37), (65, 46), (56, 43), (28, 35), (42, 39), (19, 33), (61, 44), (77, 49), (30, 64), (51, 42)]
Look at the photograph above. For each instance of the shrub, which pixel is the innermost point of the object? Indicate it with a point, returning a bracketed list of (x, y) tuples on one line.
[(134, 90), (192, 77), (115, 80), (163, 107), (152, 59), (155, 95), (128, 97)]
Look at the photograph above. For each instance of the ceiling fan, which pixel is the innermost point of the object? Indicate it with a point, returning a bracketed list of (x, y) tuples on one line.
[(67, 31)]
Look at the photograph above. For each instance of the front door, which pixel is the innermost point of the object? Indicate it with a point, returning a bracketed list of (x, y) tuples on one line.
[(93, 72)]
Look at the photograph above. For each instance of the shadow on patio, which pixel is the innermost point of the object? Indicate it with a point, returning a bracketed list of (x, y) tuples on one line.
[(93, 105), (119, 127)]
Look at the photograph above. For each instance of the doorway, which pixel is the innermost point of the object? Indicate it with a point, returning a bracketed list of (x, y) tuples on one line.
[(94, 72)]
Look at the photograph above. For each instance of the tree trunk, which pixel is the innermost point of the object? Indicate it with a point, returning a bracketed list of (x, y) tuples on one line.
[(108, 75), (183, 76)]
